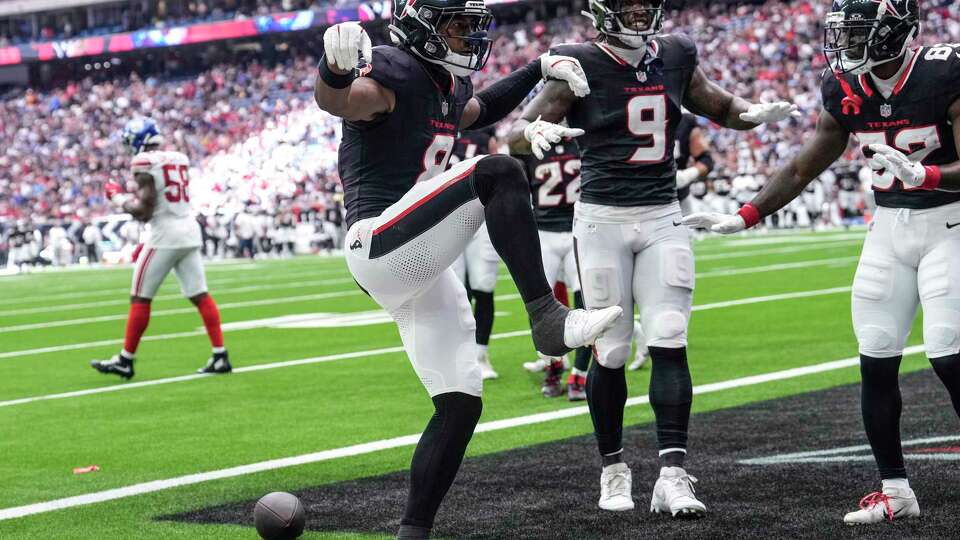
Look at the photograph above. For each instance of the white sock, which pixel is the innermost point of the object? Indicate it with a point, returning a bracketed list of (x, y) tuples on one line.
[(219, 350), (482, 348), (898, 483)]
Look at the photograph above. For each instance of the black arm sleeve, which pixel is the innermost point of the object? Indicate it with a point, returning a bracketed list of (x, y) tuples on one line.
[(505, 95)]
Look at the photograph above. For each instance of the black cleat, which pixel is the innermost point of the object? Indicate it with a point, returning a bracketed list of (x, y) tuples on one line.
[(116, 366), (218, 363)]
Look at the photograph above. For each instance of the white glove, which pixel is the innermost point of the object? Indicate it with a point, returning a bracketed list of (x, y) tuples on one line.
[(343, 43), (543, 135), (770, 113), (687, 176), (565, 68), (716, 222), (897, 163)]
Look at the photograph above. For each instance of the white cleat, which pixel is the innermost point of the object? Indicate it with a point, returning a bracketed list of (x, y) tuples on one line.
[(674, 494), (887, 505), (486, 368), (615, 488), (584, 326)]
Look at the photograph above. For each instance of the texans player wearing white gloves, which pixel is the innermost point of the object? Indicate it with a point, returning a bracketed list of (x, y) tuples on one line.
[(163, 201), (409, 218), (628, 246), (903, 105)]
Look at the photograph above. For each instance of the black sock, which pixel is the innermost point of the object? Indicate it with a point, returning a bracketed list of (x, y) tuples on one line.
[(880, 405), (438, 455), (582, 359), (948, 369), (671, 393), (483, 313), (412, 532), (606, 396), (501, 185)]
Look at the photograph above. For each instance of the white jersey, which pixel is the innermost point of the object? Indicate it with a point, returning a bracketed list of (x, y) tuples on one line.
[(173, 224)]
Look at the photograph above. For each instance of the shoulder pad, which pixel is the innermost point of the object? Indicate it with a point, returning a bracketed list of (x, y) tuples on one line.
[(677, 49), (392, 67), (143, 162)]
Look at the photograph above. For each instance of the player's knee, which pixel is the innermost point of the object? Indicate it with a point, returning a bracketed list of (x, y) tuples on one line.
[(667, 328), (879, 373), (941, 338), (878, 341), (462, 410), (499, 172), (613, 356)]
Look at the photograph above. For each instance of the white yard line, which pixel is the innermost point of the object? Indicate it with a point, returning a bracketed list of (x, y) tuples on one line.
[(217, 293), (213, 283), (180, 311), (778, 251), (839, 261), (357, 354), (395, 442), (342, 281)]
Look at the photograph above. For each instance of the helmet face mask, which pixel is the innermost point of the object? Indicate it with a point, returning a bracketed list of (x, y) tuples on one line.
[(860, 35), (630, 21), (450, 33)]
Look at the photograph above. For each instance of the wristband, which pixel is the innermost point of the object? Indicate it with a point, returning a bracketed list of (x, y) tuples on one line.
[(334, 80), (750, 215), (932, 179)]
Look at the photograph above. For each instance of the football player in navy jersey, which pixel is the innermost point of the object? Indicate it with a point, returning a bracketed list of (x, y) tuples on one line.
[(409, 218), (902, 104), (630, 247)]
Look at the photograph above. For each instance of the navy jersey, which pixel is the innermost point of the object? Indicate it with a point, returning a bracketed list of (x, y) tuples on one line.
[(472, 143), (681, 152), (913, 119), (555, 185), (382, 159), (630, 118)]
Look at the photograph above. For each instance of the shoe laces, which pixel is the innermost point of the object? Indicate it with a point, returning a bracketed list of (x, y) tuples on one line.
[(872, 500), (682, 486)]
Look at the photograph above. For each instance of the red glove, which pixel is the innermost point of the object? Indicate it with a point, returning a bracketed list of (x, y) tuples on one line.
[(112, 189)]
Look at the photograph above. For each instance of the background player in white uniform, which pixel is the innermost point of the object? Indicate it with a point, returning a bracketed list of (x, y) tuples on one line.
[(903, 106), (163, 201), (477, 267)]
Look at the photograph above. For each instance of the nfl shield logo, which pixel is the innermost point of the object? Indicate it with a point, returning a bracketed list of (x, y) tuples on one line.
[(886, 110), (642, 76), (444, 107)]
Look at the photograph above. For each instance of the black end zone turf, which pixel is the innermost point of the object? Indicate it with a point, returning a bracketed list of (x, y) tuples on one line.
[(550, 491)]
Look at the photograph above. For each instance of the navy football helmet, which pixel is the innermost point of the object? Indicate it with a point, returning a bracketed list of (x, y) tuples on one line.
[(862, 34)]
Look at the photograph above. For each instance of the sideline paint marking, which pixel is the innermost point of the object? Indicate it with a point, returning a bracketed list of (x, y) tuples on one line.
[(396, 442)]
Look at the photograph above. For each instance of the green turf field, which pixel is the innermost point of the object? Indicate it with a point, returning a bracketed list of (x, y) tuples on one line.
[(766, 304)]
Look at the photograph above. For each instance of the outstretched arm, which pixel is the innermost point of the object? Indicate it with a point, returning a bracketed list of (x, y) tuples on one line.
[(706, 98), (827, 144), (551, 105), (498, 100)]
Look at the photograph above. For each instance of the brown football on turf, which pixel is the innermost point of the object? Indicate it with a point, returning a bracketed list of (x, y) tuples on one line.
[(279, 516)]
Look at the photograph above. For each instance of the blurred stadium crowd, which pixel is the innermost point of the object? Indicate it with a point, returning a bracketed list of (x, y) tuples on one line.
[(261, 148)]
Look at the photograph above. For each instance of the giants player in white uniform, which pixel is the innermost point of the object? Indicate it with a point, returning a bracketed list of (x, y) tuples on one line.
[(163, 201)]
